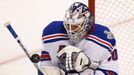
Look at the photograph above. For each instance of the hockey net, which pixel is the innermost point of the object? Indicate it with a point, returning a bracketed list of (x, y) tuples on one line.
[(118, 15)]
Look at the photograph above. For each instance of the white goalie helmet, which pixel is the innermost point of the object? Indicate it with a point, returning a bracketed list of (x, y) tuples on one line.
[(78, 21)]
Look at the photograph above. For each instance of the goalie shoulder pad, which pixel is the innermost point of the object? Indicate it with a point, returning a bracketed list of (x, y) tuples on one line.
[(55, 31), (103, 37)]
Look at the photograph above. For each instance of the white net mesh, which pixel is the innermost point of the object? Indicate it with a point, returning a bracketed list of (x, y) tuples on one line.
[(118, 15)]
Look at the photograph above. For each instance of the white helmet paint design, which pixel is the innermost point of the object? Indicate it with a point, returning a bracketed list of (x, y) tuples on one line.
[(78, 21)]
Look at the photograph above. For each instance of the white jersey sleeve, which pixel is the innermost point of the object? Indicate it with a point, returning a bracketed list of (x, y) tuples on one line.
[(54, 38)]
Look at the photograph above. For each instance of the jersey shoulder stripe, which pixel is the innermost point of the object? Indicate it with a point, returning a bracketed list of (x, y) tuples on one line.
[(54, 38), (100, 42)]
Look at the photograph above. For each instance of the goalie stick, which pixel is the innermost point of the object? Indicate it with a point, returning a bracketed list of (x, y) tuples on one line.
[(11, 30)]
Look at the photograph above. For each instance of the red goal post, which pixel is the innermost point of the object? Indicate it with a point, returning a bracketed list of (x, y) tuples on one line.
[(91, 5)]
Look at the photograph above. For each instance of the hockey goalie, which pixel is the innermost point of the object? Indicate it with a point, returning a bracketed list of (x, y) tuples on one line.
[(71, 48)]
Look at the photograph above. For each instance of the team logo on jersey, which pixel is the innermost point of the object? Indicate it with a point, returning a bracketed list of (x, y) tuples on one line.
[(109, 34)]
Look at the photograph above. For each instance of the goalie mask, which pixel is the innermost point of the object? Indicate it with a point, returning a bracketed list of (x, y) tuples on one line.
[(77, 21)]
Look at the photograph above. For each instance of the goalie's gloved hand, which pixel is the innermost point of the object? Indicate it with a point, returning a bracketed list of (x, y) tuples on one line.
[(83, 62), (73, 59), (66, 58)]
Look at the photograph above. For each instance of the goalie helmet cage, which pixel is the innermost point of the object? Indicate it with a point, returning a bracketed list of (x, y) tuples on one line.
[(118, 15)]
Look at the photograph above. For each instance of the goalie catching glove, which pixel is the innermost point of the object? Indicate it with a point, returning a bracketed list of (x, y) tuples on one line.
[(72, 59)]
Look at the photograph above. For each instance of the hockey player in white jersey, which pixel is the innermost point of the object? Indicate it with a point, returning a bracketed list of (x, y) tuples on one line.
[(70, 47)]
